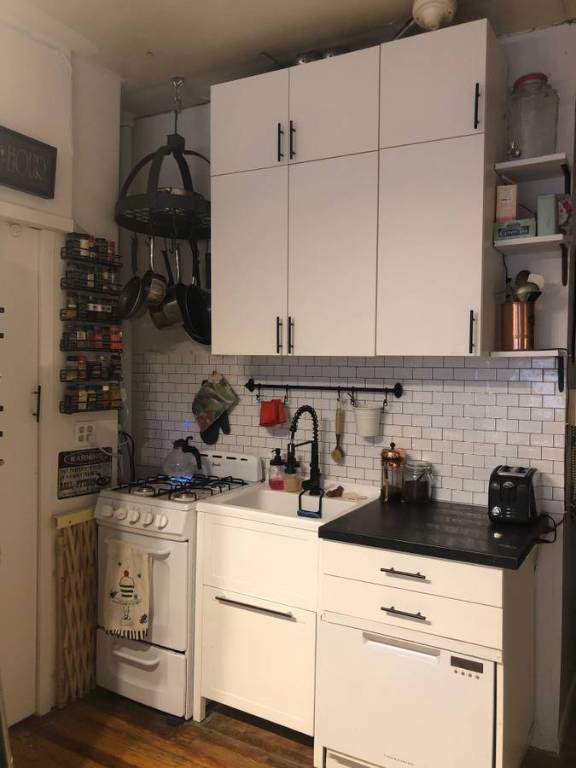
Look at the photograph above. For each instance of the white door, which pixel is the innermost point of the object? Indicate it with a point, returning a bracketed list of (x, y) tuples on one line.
[(19, 250), (334, 106), (169, 587), (249, 262), (428, 85), (249, 123), (259, 657), (332, 255), (394, 703), (430, 247)]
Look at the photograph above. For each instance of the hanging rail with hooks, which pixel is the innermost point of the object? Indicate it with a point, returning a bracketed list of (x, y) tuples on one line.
[(397, 390)]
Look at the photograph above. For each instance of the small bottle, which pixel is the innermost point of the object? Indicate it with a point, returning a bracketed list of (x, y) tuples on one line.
[(292, 478), (276, 471)]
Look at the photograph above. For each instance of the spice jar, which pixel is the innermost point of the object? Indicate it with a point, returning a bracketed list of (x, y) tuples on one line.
[(392, 462), (417, 487)]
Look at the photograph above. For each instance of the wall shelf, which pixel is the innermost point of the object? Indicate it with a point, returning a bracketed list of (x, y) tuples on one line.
[(543, 244), (559, 354), (536, 169)]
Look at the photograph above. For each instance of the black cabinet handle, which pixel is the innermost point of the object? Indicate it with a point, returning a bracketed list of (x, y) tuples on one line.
[(471, 333), (278, 335), (290, 335), (292, 132), (403, 614), (477, 106), (38, 393), (407, 574), (279, 138), (257, 608)]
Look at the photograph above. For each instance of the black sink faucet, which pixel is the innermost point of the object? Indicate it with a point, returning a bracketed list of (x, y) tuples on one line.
[(312, 485)]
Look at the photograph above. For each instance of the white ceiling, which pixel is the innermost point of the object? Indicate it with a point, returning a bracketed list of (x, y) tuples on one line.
[(209, 41)]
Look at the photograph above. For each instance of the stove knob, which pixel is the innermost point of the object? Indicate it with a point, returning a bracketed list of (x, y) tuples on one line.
[(161, 522), (133, 516), (121, 513), (106, 510), (147, 518)]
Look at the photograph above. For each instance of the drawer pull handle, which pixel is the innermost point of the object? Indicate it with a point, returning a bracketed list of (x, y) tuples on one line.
[(249, 606), (403, 614), (407, 574), (145, 663)]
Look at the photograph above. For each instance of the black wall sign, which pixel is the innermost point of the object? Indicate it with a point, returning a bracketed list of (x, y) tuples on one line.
[(27, 164), (84, 472)]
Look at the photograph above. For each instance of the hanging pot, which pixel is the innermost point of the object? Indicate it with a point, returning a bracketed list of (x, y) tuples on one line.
[(196, 305), (131, 299), (169, 312), (154, 284)]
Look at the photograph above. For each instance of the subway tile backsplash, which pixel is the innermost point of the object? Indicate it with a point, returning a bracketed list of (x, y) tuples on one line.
[(464, 415)]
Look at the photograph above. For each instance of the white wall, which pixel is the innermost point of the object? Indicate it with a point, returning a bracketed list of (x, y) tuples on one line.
[(158, 355), (49, 92)]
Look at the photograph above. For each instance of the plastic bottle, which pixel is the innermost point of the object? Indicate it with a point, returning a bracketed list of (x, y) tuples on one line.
[(276, 471)]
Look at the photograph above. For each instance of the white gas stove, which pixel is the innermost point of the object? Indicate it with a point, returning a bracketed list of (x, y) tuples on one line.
[(157, 514)]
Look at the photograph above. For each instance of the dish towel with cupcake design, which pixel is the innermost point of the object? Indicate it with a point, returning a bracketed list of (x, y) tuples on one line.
[(126, 591)]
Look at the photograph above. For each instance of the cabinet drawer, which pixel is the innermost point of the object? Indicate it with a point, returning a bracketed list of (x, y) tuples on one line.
[(269, 561), (470, 622), (430, 575), (259, 657)]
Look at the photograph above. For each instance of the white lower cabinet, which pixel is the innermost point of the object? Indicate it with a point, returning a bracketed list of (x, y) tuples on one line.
[(415, 705), (258, 656)]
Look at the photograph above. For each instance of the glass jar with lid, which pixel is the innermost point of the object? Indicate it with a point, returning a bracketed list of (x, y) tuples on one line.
[(417, 485), (532, 117), (392, 461)]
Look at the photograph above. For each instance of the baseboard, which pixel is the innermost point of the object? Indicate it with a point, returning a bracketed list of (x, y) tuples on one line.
[(568, 708)]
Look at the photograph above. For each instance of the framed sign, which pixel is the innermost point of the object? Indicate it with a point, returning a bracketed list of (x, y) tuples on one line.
[(27, 164), (83, 472)]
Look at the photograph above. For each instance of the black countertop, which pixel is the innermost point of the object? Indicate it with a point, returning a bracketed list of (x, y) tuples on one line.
[(451, 531)]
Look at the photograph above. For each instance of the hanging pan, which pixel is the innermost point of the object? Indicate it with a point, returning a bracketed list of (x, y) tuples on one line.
[(169, 312), (154, 284), (131, 299), (195, 305)]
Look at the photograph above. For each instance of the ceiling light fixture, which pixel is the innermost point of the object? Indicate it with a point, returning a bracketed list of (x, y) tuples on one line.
[(433, 14)]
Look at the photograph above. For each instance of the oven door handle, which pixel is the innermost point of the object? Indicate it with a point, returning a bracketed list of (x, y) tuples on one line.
[(147, 663), (160, 553)]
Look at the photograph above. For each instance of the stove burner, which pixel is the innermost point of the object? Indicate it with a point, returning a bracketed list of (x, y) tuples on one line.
[(184, 496), (142, 490)]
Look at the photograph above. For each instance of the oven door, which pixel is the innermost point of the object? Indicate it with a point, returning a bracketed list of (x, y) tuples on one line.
[(170, 588)]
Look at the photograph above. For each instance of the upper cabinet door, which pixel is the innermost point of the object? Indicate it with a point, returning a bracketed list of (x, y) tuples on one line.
[(249, 123), (334, 106), (430, 247), (432, 85), (332, 255), (249, 261)]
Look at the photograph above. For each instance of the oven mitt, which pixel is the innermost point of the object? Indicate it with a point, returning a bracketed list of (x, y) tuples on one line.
[(210, 436), (214, 398)]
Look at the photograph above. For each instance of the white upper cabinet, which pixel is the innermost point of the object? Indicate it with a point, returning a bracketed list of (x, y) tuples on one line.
[(249, 261), (332, 256), (249, 119), (334, 106), (432, 85), (430, 250)]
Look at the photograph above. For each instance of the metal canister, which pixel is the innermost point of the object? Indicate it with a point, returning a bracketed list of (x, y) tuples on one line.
[(517, 320), (392, 461)]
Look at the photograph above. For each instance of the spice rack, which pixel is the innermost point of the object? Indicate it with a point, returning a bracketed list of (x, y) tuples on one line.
[(91, 334)]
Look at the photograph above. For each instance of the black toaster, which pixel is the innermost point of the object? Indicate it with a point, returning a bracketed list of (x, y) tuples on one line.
[(511, 495)]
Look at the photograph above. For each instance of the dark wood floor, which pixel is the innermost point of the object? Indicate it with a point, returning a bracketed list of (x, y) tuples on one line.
[(106, 731)]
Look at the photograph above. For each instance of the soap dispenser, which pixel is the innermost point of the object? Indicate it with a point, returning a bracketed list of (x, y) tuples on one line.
[(292, 477), (276, 471)]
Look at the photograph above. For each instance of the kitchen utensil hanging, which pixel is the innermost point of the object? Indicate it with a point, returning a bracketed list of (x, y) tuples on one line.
[(195, 304), (173, 212), (153, 283)]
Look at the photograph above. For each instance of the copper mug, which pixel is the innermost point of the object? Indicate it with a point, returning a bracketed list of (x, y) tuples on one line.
[(517, 324)]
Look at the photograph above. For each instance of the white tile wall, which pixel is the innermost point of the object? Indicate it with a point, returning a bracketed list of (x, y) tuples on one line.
[(464, 415)]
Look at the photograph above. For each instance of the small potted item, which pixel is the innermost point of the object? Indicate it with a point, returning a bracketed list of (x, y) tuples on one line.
[(417, 485), (276, 471), (392, 461)]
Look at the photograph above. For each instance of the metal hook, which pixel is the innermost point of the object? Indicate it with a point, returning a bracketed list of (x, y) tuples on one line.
[(258, 392), (352, 396), (286, 394), (385, 400)]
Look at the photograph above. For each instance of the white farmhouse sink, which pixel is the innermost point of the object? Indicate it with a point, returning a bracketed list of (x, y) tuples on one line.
[(258, 502)]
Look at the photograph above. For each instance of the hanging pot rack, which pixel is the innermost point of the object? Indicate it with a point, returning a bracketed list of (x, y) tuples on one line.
[(178, 213), (397, 390)]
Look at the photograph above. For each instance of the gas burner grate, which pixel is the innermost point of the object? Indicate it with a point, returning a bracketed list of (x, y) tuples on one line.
[(165, 485)]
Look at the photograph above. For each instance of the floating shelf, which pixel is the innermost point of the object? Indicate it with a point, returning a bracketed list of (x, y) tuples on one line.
[(558, 353), (536, 168), (530, 244)]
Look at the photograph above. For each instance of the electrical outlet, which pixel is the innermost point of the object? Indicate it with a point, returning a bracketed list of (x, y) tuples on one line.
[(84, 432)]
